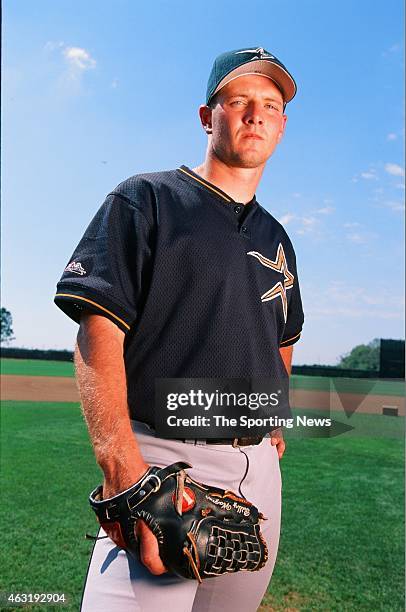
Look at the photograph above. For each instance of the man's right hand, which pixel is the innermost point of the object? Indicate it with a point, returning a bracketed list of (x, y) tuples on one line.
[(149, 549)]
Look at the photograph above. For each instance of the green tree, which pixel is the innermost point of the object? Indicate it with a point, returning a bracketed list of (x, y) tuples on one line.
[(6, 325), (362, 357)]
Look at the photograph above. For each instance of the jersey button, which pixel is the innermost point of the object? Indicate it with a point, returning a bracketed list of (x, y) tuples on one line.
[(244, 229), (237, 209)]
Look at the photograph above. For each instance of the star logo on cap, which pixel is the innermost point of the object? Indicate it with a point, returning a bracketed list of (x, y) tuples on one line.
[(259, 53), (279, 289)]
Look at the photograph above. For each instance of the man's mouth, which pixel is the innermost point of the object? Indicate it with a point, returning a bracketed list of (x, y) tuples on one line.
[(255, 136)]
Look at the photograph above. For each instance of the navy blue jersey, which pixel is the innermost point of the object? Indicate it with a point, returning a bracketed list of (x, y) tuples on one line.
[(202, 286)]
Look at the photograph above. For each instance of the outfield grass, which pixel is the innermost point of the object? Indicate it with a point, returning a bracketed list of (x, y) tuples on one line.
[(356, 425), (341, 545), (348, 385), (38, 367), (47, 472), (342, 542)]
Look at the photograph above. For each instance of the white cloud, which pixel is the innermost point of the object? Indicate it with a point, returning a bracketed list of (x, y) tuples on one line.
[(396, 206), (369, 175), (77, 62), (391, 136), (395, 48), (353, 301), (308, 221), (285, 219), (400, 185), (51, 45), (79, 59), (308, 225), (394, 169), (356, 237), (327, 210), (302, 224), (358, 234)]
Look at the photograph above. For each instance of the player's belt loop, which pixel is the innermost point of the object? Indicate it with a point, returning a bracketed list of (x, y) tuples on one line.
[(237, 442)]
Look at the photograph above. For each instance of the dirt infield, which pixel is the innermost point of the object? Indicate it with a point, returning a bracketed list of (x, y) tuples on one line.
[(63, 389), (38, 388)]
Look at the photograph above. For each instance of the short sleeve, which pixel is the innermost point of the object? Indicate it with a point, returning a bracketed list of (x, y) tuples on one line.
[(109, 270), (295, 316)]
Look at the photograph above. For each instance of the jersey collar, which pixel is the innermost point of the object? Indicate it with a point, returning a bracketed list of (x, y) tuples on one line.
[(192, 177)]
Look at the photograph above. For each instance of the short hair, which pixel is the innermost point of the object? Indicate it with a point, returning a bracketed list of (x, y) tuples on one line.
[(213, 100)]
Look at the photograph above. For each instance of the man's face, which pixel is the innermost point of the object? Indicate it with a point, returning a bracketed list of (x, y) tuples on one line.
[(247, 121)]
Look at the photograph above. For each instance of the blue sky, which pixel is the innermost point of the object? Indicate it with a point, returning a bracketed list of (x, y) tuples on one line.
[(97, 91)]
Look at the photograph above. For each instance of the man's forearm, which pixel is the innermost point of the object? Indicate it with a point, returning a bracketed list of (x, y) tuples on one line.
[(101, 379)]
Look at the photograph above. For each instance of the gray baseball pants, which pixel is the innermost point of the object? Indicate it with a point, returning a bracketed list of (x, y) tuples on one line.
[(116, 582)]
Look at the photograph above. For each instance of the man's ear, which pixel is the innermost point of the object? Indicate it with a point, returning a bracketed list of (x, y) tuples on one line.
[(205, 113), (283, 126)]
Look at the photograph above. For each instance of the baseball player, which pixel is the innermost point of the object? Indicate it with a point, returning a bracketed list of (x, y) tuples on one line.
[(182, 274)]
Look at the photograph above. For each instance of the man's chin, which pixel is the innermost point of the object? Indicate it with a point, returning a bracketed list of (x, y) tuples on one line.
[(248, 158), (249, 161)]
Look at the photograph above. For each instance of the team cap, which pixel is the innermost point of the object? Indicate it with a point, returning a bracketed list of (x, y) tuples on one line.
[(232, 64)]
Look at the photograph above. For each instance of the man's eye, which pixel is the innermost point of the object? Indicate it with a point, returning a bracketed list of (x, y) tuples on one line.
[(237, 102), (272, 107)]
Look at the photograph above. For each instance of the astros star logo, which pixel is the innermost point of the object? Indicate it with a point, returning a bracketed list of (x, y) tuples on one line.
[(259, 52), (279, 289)]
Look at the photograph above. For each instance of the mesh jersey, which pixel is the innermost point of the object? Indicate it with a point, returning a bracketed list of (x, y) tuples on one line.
[(202, 286)]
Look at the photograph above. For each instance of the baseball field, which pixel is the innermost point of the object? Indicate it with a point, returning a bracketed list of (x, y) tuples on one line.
[(342, 538)]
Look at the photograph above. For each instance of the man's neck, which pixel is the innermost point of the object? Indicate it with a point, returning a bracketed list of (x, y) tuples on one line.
[(239, 183)]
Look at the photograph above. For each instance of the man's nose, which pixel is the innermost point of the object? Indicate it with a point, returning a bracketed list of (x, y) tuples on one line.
[(254, 114)]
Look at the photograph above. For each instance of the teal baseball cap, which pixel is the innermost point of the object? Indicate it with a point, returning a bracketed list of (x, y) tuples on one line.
[(232, 64)]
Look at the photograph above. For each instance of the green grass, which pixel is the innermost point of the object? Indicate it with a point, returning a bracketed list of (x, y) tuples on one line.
[(348, 385), (342, 539), (341, 544), (357, 425), (36, 367), (47, 473)]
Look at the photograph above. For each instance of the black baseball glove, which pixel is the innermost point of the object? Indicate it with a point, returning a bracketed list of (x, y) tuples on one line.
[(202, 531)]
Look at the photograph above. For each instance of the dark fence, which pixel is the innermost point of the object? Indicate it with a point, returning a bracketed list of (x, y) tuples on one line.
[(392, 359), (392, 362), (333, 372), (50, 355), (311, 370)]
